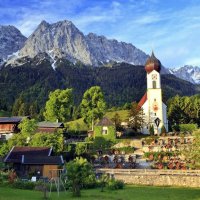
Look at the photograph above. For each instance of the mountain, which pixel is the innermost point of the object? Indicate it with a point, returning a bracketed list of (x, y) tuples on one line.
[(188, 72), (122, 83), (64, 40), (11, 40)]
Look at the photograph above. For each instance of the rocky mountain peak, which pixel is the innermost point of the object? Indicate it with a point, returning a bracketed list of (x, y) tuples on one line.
[(64, 39), (11, 40), (188, 72)]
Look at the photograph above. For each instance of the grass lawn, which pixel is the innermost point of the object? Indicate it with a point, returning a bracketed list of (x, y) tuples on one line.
[(129, 193), (122, 113)]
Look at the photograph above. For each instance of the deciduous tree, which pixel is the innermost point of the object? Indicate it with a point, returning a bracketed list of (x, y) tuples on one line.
[(59, 106), (93, 105)]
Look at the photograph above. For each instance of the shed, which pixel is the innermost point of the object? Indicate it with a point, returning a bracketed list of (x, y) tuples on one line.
[(33, 161)]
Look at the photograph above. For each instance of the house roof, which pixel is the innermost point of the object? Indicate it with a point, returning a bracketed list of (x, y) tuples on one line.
[(15, 154), (105, 122), (45, 124), (142, 100), (11, 119), (50, 160)]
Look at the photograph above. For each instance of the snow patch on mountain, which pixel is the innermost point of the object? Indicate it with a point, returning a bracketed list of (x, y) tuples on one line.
[(188, 72)]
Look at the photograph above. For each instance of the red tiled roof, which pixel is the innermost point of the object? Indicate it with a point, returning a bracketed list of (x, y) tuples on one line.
[(15, 155), (142, 100)]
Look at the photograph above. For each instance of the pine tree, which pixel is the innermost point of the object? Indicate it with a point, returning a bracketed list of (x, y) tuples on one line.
[(163, 129), (151, 130), (136, 117)]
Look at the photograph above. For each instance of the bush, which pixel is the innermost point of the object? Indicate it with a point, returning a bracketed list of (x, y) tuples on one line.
[(175, 128), (163, 129), (4, 176), (90, 182), (188, 127), (78, 171), (151, 130), (115, 184), (26, 185)]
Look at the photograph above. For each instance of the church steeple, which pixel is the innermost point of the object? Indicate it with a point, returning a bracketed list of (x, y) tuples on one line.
[(152, 63)]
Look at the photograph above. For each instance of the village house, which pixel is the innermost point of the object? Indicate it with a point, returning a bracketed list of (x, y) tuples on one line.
[(49, 127), (105, 128), (9, 126)]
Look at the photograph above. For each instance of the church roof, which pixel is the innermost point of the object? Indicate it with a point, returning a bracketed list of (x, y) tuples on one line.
[(142, 100), (152, 63)]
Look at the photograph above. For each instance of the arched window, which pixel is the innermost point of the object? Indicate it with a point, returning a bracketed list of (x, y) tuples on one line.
[(154, 84)]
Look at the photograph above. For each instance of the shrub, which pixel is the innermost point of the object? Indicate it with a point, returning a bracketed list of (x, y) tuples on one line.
[(151, 130), (26, 185), (90, 182), (4, 176), (115, 184), (78, 171), (163, 129), (188, 127), (175, 128)]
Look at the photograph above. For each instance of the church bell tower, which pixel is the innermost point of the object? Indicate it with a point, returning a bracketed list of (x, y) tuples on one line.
[(154, 109)]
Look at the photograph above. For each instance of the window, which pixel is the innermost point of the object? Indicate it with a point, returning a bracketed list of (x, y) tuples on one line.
[(104, 130), (154, 84)]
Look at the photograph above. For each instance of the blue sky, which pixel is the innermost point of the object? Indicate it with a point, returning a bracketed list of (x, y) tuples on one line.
[(170, 27)]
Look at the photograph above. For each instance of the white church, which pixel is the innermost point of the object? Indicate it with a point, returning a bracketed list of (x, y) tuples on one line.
[(155, 111)]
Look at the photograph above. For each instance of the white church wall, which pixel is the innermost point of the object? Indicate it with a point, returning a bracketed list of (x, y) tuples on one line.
[(155, 74)]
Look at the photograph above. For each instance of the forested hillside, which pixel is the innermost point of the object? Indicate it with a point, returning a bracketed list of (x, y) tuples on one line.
[(31, 83)]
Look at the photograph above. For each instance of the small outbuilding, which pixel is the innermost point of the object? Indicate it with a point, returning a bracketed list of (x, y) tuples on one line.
[(33, 161), (105, 128)]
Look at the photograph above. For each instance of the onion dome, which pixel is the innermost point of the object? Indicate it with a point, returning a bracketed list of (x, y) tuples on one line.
[(152, 63)]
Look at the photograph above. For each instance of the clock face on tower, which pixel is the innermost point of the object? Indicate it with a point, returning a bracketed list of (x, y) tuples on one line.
[(155, 106), (154, 77)]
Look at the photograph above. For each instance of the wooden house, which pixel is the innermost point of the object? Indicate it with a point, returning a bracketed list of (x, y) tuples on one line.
[(49, 127), (33, 161), (9, 126)]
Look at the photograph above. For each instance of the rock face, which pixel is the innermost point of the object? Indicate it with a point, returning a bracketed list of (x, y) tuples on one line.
[(188, 72), (63, 39), (11, 40), (104, 50)]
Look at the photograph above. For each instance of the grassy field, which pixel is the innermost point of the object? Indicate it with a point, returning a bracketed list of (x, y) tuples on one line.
[(80, 125), (129, 193), (4, 113), (122, 113)]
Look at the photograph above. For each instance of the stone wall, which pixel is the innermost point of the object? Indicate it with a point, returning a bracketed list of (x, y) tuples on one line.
[(157, 177), (160, 180)]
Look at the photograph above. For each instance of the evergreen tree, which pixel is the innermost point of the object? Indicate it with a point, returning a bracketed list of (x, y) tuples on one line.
[(163, 130), (117, 121), (23, 110), (136, 117), (151, 130), (17, 105)]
